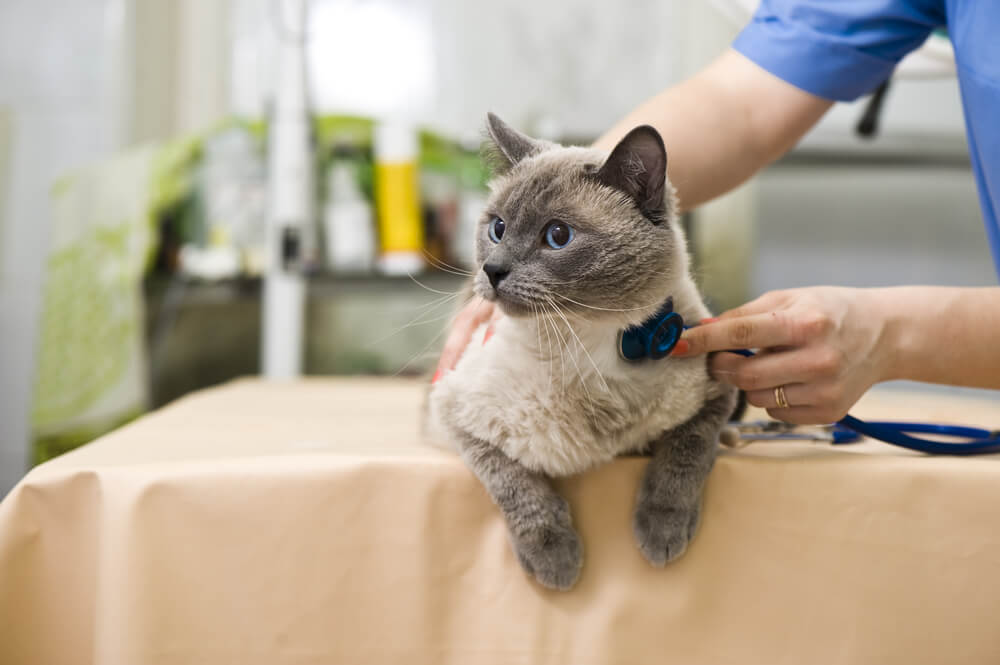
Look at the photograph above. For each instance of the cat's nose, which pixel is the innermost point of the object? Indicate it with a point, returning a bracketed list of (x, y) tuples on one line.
[(495, 273)]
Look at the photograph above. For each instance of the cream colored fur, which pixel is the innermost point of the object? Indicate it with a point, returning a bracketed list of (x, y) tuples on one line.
[(560, 401)]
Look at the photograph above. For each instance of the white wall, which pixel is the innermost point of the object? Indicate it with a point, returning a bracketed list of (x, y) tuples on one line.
[(81, 79), (567, 68), (176, 75), (58, 70), (556, 67)]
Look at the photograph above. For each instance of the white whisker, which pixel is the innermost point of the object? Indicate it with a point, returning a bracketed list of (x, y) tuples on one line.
[(607, 388), (561, 345), (604, 309), (422, 351), (418, 319), (548, 343), (421, 284), (572, 356), (444, 266)]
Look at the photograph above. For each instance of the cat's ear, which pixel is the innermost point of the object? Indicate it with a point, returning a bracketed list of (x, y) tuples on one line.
[(638, 167), (512, 145)]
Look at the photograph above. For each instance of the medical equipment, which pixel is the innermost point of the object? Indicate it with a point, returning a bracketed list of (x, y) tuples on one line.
[(656, 337), (973, 440), (289, 223)]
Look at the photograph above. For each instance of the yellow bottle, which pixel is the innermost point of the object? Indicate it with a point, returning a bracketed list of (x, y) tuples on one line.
[(397, 199)]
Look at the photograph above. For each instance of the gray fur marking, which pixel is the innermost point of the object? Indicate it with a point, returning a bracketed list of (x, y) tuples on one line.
[(669, 502), (538, 519)]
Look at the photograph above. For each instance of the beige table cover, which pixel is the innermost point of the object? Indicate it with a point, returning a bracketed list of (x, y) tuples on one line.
[(303, 523)]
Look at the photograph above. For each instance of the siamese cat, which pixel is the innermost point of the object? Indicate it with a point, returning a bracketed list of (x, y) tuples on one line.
[(577, 246)]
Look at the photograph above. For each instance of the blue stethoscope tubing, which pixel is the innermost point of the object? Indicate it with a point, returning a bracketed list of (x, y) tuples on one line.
[(976, 440)]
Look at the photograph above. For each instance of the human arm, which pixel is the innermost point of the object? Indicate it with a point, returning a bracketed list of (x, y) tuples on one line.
[(720, 127), (828, 345), (723, 125)]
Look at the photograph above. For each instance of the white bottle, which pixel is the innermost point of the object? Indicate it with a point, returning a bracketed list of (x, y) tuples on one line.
[(348, 222)]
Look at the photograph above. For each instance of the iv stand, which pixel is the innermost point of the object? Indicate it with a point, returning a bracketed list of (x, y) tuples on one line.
[(290, 187)]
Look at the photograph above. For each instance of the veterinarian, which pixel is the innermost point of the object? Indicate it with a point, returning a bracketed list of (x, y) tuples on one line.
[(822, 348)]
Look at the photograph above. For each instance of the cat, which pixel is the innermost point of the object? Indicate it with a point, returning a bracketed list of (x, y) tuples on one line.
[(576, 245)]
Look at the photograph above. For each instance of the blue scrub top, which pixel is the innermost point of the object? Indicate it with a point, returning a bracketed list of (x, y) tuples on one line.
[(842, 49)]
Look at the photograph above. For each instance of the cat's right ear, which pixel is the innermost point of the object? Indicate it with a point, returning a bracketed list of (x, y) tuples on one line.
[(512, 145)]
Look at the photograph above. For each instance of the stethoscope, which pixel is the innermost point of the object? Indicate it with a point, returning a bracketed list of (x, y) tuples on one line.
[(970, 440), (656, 337)]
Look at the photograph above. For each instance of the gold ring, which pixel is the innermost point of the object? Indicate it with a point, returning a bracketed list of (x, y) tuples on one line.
[(779, 397)]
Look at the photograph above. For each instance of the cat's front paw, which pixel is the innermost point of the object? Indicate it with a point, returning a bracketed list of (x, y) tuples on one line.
[(663, 533), (552, 552)]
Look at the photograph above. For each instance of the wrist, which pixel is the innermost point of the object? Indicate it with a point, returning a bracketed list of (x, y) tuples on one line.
[(893, 343), (917, 324), (934, 334)]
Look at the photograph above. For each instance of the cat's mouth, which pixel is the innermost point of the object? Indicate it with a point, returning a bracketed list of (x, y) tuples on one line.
[(519, 302), (514, 303), (532, 303), (513, 300)]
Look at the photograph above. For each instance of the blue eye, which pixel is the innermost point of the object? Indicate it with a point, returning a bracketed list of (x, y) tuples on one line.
[(558, 235), (496, 229)]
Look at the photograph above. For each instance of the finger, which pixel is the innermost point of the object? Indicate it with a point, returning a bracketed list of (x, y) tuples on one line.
[(476, 312), (748, 332), (491, 324), (768, 302), (726, 367), (795, 394), (767, 370)]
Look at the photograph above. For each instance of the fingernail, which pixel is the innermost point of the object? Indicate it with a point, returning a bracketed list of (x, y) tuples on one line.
[(682, 347), (709, 320), (489, 333), (437, 377)]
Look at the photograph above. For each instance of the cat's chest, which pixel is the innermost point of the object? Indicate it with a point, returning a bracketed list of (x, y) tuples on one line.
[(563, 404)]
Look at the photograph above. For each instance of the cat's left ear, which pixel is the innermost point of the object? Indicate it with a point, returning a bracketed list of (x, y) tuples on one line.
[(638, 167)]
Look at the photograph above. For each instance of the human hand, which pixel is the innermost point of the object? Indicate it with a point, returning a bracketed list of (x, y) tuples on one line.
[(473, 314), (822, 345)]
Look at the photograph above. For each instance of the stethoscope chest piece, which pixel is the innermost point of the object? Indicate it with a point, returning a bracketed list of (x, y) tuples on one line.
[(655, 338)]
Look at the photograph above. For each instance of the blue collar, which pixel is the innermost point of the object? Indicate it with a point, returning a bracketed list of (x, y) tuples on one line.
[(654, 338)]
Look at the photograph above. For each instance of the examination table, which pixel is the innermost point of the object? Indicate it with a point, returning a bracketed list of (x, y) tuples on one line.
[(295, 523)]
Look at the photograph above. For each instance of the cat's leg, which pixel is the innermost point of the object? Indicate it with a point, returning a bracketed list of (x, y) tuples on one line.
[(670, 494), (538, 519)]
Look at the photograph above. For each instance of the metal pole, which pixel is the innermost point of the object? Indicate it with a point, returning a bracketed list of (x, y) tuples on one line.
[(290, 184)]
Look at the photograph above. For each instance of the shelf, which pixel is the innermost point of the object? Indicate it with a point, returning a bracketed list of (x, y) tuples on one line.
[(202, 333)]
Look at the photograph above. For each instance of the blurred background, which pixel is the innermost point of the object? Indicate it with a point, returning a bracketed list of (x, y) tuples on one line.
[(158, 156)]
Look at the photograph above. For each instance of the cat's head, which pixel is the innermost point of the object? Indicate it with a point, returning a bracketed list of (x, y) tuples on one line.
[(578, 229)]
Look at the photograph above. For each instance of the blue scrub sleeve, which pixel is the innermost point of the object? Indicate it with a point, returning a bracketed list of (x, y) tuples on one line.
[(836, 49)]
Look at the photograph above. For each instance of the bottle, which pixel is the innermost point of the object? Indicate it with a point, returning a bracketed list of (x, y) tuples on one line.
[(233, 192), (401, 233), (347, 218)]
